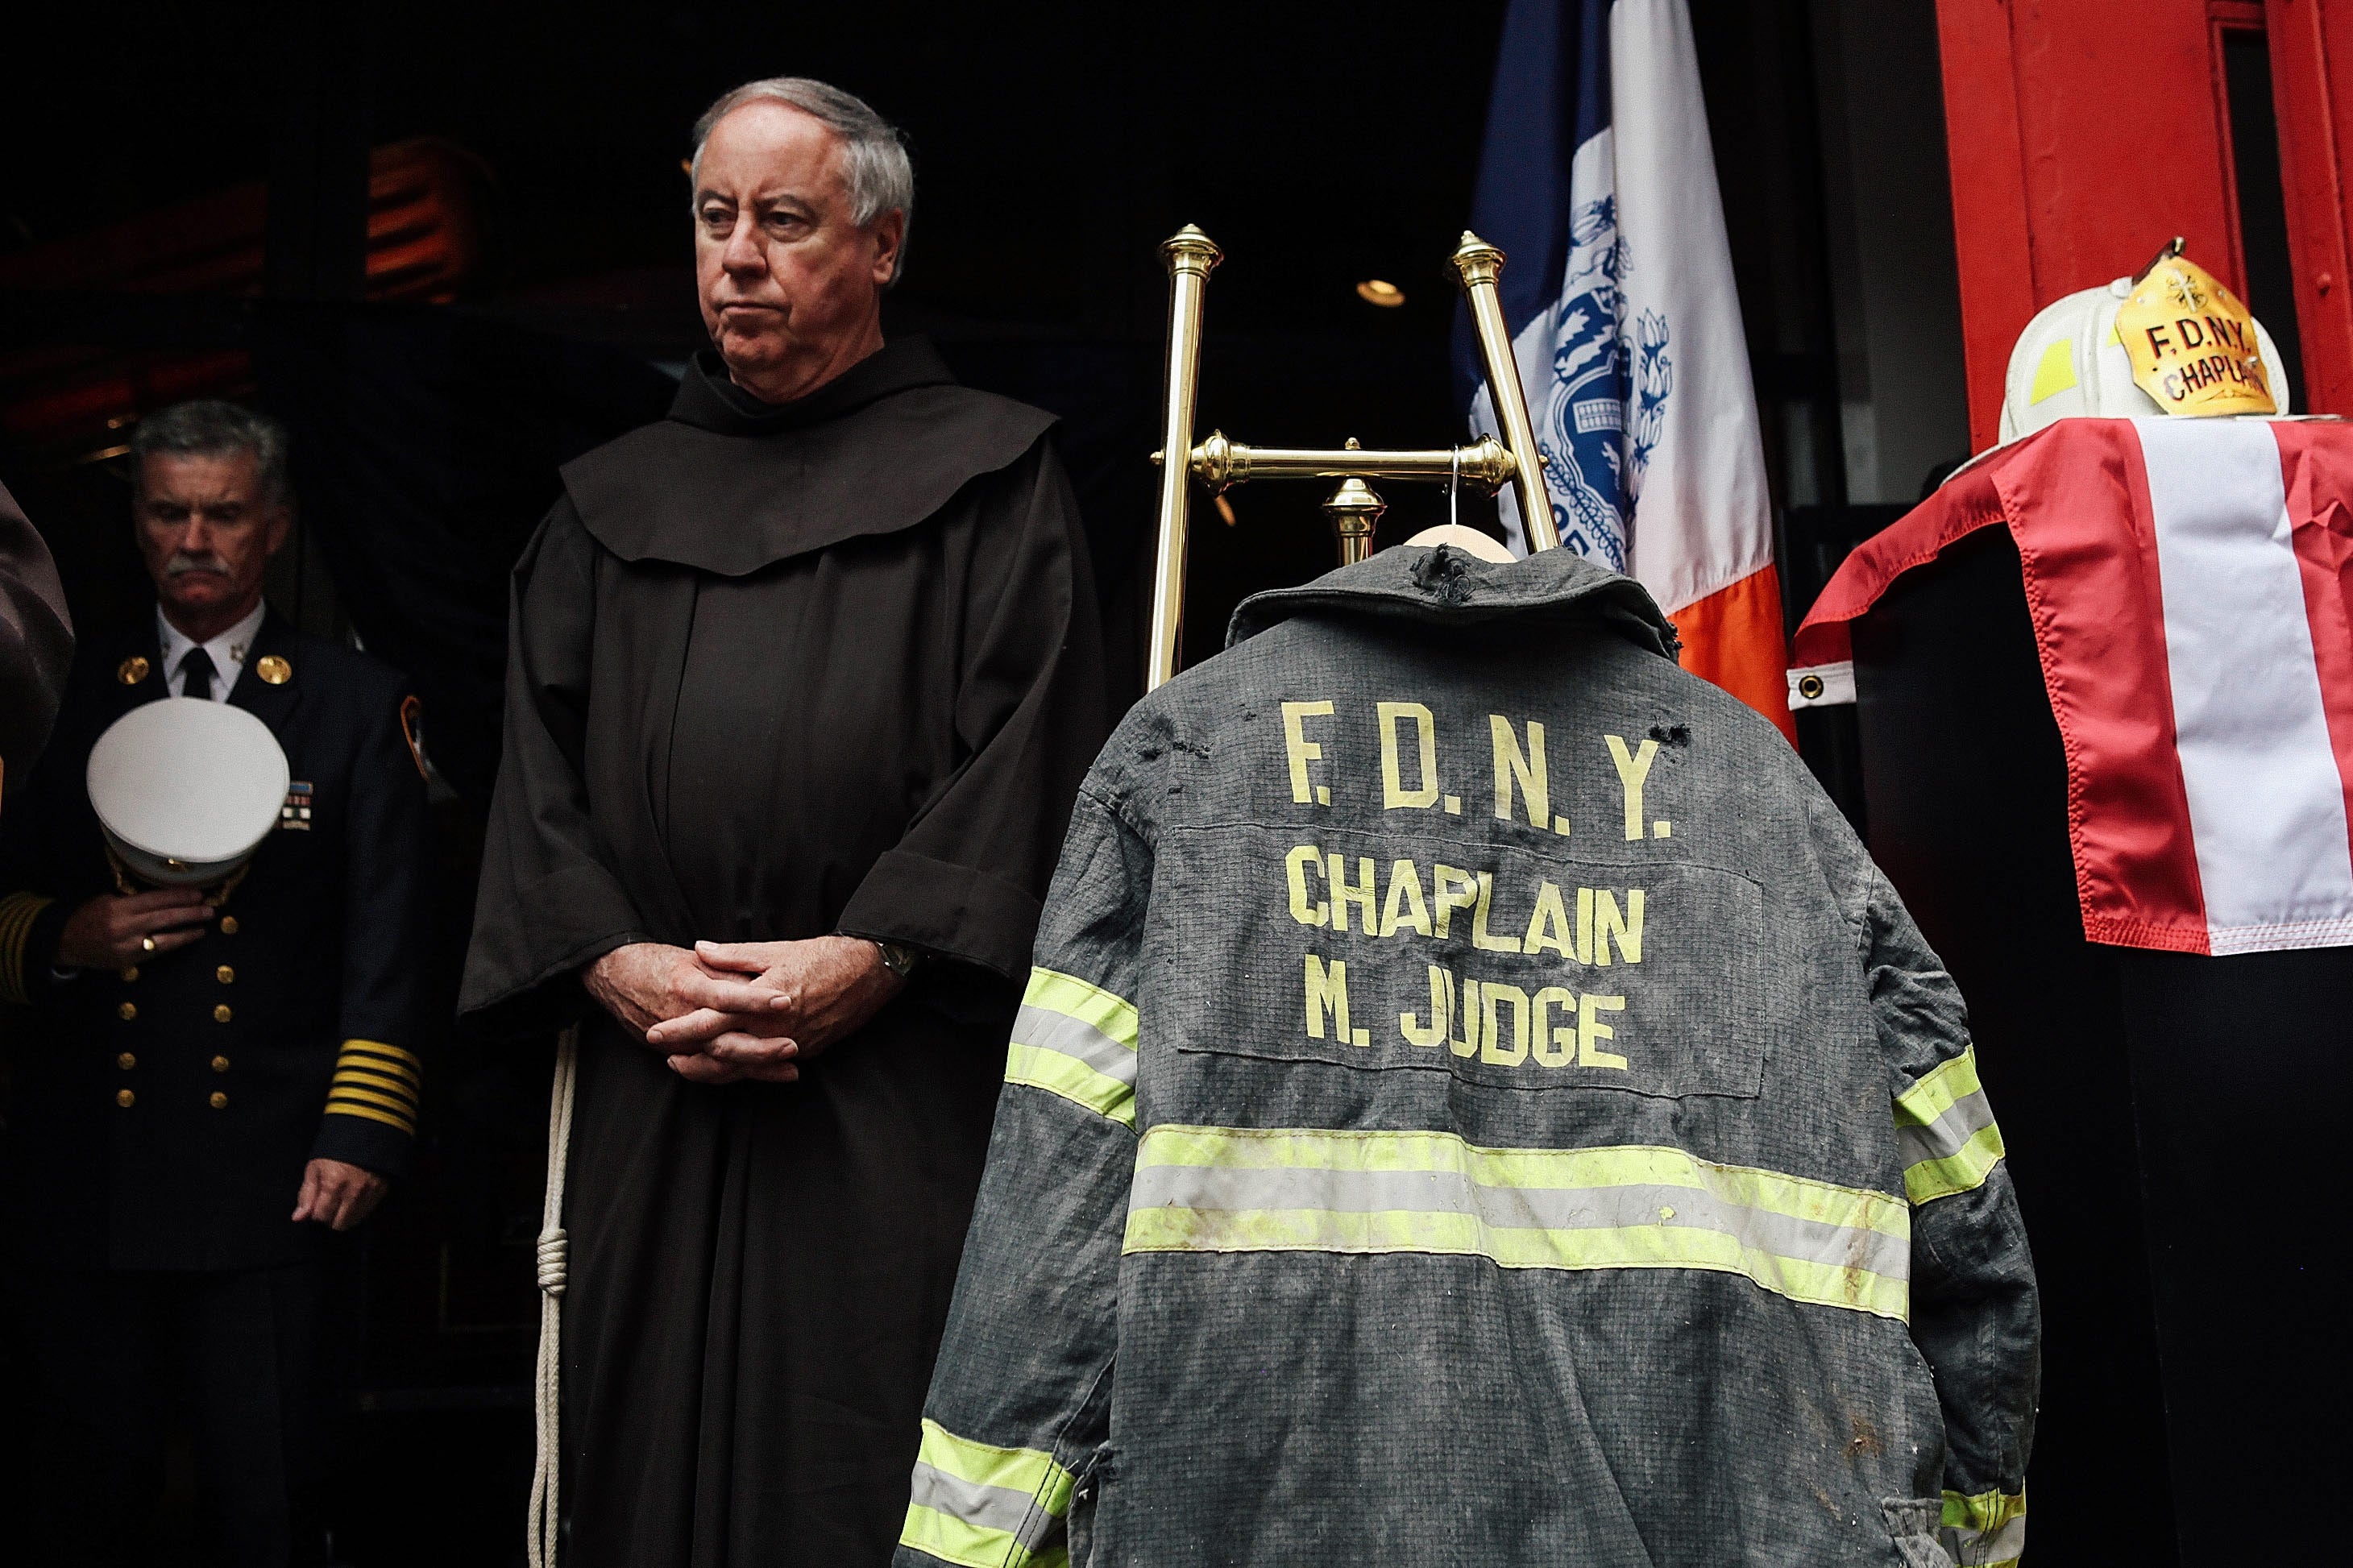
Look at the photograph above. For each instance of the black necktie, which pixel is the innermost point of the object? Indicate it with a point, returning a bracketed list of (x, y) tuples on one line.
[(196, 671)]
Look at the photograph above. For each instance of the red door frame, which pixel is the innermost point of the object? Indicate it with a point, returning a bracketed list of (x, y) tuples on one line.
[(2083, 134)]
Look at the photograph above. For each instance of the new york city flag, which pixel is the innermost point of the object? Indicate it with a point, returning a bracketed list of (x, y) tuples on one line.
[(1597, 182)]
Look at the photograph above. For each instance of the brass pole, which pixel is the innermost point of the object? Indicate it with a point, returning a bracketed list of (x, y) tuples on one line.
[(1479, 263), (1190, 255), (1218, 462)]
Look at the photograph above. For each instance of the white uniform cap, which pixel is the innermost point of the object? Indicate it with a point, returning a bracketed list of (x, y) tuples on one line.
[(187, 789)]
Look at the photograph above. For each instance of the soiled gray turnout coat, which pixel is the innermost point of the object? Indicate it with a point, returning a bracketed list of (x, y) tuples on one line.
[(1477, 1103)]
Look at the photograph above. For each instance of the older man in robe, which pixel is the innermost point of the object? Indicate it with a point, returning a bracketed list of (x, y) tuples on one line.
[(802, 682)]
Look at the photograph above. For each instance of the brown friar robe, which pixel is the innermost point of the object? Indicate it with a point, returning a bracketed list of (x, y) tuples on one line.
[(778, 671)]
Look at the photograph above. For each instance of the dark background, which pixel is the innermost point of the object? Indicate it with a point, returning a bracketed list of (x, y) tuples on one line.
[(1056, 144)]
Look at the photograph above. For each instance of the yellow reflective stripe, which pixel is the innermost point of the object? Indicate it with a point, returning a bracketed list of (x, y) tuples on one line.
[(1092, 1005), (1077, 1040), (1072, 1079), (17, 913), (1946, 1131), (1987, 1530), (1200, 1189), (1950, 1080), (951, 1540), (1963, 1170), (987, 1465), (982, 1506), (336, 1108)]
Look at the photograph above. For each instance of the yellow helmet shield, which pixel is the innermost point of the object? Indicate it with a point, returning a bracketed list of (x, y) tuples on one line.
[(2193, 344)]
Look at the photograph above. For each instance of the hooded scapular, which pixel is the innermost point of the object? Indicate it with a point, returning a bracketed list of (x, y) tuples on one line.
[(1477, 1103)]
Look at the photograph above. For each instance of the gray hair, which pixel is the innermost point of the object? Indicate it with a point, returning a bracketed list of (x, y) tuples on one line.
[(874, 162), (211, 427)]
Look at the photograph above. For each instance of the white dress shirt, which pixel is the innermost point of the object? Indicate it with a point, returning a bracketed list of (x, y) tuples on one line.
[(227, 651)]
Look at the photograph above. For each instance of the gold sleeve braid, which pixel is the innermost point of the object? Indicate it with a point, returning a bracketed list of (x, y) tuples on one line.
[(378, 1082), (17, 913)]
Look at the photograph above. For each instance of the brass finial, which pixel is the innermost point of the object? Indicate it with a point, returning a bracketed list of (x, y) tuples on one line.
[(1354, 511), (1190, 250), (1476, 260)]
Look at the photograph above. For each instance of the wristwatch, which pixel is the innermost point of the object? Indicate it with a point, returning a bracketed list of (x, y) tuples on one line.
[(901, 961)]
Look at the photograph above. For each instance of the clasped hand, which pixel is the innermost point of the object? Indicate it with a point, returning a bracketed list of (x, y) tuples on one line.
[(724, 1012)]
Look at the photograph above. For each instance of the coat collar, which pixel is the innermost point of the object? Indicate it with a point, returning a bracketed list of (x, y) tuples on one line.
[(730, 485), (1448, 588), (273, 703), (708, 400)]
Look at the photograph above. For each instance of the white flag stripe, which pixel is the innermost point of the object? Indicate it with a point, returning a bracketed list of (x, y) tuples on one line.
[(2266, 802), (1703, 520)]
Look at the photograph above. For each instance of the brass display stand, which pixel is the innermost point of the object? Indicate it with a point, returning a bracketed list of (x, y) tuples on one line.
[(1354, 507)]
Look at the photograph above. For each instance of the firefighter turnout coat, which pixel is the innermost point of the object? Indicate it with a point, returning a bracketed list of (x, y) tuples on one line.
[(1477, 1103)]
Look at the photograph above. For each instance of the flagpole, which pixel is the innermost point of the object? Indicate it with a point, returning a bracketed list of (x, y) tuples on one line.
[(1480, 263)]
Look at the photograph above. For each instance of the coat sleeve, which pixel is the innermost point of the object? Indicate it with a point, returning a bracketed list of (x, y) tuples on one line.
[(548, 901), (964, 881), (1975, 1314), (34, 893), (370, 1120), (1019, 1406)]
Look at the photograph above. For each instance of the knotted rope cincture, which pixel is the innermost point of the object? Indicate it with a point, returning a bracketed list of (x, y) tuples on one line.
[(555, 1269), (554, 1252)]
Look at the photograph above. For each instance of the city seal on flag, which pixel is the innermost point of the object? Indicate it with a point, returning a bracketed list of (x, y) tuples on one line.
[(1610, 383), (2193, 344)]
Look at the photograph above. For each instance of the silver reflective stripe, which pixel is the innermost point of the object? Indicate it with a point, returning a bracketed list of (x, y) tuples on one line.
[(1519, 1209), (989, 1508), (1046, 1029), (1946, 1136), (985, 1508)]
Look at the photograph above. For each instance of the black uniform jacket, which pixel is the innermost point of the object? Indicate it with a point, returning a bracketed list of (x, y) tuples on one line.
[(162, 1115)]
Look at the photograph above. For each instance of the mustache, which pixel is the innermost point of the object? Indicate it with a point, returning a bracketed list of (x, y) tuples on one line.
[(181, 564)]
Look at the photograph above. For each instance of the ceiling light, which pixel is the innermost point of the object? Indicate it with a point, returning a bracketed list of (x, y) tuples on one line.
[(1377, 291)]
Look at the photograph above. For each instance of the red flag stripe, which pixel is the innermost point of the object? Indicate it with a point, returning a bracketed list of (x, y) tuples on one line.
[(2321, 505), (2099, 621)]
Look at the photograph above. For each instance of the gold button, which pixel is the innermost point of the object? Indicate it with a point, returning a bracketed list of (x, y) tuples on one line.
[(128, 1011), (126, 1061), (220, 1014), (224, 975), (219, 1101), (220, 1064), (228, 925), (131, 974), (124, 1098)]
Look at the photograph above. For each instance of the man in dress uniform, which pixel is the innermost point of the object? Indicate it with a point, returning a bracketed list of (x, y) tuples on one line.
[(210, 1081)]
